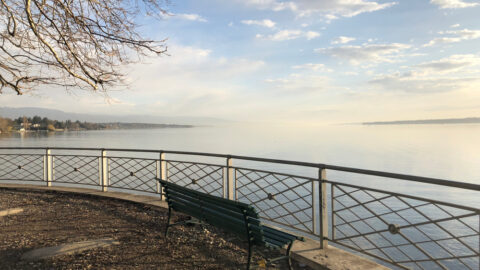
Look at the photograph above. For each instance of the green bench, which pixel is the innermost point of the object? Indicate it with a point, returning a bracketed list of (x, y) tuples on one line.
[(235, 217)]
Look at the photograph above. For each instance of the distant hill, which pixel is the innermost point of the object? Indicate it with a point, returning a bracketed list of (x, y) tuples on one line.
[(469, 120), (10, 112)]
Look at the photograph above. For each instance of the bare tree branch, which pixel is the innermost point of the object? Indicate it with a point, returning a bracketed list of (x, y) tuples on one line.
[(72, 43)]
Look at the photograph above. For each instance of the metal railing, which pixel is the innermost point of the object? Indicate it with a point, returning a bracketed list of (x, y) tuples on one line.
[(403, 229)]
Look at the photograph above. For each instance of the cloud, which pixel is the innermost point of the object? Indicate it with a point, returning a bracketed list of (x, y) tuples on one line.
[(342, 40), (416, 83), (271, 4), (184, 16), (454, 36), (198, 63), (313, 67), (283, 35), (455, 72), (193, 80), (450, 64), (311, 35), (373, 53), (264, 23), (330, 9), (299, 83), (453, 4)]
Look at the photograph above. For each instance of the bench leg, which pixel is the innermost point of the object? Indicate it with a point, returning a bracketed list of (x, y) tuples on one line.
[(250, 250), (289, 259), (168, 221)]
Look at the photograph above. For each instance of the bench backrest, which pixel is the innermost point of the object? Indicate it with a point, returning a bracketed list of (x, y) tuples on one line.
[(229, 215)]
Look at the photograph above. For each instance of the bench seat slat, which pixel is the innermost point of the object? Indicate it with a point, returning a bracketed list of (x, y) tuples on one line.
[(217, 210), (211, 215), (234, 211), (199, 215), (204, 195), (195, 196), (277, 234), (238, 229), (196, 213), (237, 212), (275, 243), (206, 213), (233, 227)]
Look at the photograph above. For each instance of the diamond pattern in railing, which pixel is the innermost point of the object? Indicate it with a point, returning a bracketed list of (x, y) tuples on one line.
[(76, 169), (407, 231), (280, 198), (133, 173), (206, 178), (21, 167)]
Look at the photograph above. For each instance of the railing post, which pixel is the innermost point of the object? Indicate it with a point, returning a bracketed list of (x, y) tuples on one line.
[(315, 215), (161, 173), (332, 205), (47, 167), (104, 171), (322, 188), (229, 181)]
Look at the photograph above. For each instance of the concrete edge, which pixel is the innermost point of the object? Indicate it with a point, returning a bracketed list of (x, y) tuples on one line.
[(307, 252)]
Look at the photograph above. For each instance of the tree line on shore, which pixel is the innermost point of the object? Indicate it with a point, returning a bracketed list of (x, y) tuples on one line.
[(38, 123)]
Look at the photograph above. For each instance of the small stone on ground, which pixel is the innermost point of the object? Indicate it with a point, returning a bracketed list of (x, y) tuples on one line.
[(11, 211)]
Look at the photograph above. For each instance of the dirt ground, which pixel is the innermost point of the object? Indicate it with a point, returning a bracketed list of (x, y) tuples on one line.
[(52, 218)]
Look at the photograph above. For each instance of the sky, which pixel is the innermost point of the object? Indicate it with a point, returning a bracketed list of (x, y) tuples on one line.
[(305, 61)]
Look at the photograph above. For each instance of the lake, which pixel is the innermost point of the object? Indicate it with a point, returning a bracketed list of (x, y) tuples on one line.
[(441, 151)]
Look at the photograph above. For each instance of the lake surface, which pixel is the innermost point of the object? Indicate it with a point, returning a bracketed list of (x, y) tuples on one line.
[(442, 151), (449, 152)]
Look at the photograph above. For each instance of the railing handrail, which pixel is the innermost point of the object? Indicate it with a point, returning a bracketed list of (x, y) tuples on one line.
[(420, 179)]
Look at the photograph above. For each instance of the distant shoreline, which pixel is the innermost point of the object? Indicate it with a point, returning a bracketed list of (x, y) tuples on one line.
[(448, 121), (40, 131), (101, 126)]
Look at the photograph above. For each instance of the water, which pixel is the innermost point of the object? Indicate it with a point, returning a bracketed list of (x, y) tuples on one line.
[(440, 151)]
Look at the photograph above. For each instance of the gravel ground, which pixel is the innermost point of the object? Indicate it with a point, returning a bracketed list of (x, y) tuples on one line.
[(52, 218)]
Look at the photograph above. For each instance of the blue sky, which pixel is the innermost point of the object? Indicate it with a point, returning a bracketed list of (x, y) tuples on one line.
[(306, 61)]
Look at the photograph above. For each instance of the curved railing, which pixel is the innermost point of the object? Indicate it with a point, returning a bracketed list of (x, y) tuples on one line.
[(398, 224)]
